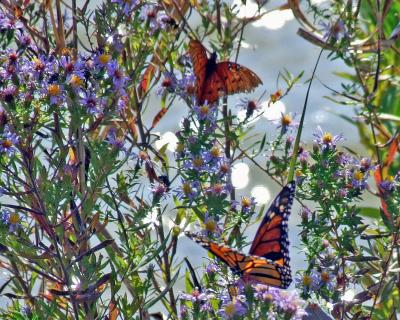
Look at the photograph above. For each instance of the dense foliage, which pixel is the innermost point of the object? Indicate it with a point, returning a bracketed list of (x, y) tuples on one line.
[(93, 205)]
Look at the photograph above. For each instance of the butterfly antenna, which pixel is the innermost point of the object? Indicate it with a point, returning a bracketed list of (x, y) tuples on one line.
[(193, 274)]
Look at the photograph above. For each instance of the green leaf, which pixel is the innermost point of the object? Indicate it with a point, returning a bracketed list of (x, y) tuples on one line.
[(370, 212)]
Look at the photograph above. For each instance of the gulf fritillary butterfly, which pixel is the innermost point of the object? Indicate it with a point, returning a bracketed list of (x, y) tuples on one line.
[(215, 79)]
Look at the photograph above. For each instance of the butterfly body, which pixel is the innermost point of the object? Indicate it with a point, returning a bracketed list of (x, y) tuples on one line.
[(215, 79), (268, 258)]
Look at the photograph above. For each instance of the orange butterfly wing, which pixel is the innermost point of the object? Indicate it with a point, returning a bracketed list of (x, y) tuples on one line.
[(236, 77), (250, 267), (271, 240), (215, 79), (199, 58)]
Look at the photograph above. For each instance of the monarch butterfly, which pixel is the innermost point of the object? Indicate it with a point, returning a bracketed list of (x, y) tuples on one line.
[(214, 78), (268, 258)]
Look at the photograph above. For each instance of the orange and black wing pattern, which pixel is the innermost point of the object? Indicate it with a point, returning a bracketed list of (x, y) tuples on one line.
[(268, 259), (216, 79)]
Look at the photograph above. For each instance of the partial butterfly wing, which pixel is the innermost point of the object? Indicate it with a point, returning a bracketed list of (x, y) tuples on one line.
[(271, 240), (249, 267), (199, 58), (213, 88), (236, 77)]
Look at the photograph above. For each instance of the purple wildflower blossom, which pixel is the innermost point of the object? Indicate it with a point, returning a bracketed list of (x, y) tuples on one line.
[(247, 204), (303, 155), (359, 179), (211, 226), (117, 75), (10, 219), (388, 184), (8, 141), (168, 84), (149, 15), (195, 296), (232, 309), (214, 155), (8, 94), (114, 140), (92, 104), (9, 23), (188, 190), (335, 30), (205, 112), (126, 5), (55, 92), (159, 190), (326, 140), (212, 268)]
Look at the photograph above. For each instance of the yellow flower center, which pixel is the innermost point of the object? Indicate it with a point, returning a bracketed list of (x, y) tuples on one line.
[(104, 58), (76, 81), (299, 173), (327, 137), (14, 218), (39, 65), (204, 110), (325, 277), (215, 152), (7, 143), (54, 90), (210, 225), (230, 309), (306, 280), (186, 188), (286, 120), (198, 162), (246, 202), (358, 175)]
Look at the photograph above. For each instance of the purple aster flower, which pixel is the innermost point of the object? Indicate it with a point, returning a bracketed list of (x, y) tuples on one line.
[(211, 226), (388, 184), (92, 104), (117, 75), (8, 141), (168, 84), (335, 30), (326, 140), (249, 105), (8, 94), (159, 190), (303, 155), (186, 84), (247, 204), (286, 122), (205, 112), (195, 296), (232, 309), (303, 281), (72, 67), (123, 103), (101, 60), (197, 163), (214, 155), (114, 140), (366, 165), (219, 189), (212, 268), (25, 40), (359, 179), (149, 15), (9, 23), (188, 190), (344, 159), (10, 219), (55, 92), (126, 5)]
